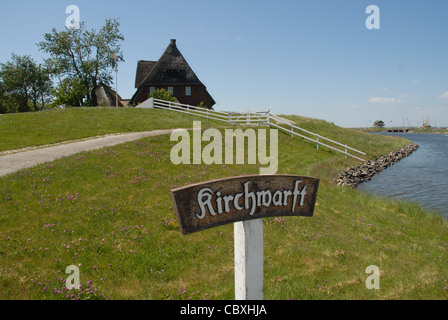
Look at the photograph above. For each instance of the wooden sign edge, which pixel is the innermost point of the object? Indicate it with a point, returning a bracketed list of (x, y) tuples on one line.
[(244, 218)]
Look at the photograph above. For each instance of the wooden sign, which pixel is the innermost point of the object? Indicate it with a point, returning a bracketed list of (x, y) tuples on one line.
[(220, 202)]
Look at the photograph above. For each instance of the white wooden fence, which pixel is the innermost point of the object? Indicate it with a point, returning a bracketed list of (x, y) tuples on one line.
[(260, 119)]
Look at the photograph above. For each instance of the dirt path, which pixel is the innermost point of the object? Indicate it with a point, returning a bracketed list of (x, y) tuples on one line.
[(23, 159)]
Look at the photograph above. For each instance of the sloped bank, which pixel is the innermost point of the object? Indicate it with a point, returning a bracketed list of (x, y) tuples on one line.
[(365, 172)]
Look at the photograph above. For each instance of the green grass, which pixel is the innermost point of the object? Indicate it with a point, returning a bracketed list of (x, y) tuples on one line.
[(110, 212), (48, 127), (373, 145)]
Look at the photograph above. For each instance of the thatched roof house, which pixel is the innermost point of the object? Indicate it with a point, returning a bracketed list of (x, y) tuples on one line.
[(107, 97), (172, 73)]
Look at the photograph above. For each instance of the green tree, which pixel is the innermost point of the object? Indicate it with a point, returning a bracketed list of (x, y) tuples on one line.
[(84, 55), (163, 94), (26, 85), (15, 83), (379, 123), (3, 108), (70, 93), (41, 86)]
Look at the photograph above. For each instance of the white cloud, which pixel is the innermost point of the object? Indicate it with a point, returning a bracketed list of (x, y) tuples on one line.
[(416, 81), (384, 100), (443, 96)]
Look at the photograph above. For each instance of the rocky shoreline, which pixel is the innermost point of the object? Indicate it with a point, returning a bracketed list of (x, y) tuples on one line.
[(364, 172)]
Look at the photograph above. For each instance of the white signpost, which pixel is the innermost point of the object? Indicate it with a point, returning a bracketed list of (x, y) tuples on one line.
[(249, 260), (245, 201)]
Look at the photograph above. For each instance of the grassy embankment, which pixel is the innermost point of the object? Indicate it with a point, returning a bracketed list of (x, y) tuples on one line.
[(19, 131), (110, 213)]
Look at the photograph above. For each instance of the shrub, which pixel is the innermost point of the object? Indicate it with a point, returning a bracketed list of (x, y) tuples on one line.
[(202, 105), (162, 94)]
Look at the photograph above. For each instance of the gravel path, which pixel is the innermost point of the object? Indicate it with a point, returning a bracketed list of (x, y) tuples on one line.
[(20, 160)]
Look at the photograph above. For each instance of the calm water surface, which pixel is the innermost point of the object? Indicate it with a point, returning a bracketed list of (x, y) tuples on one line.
[(421, 177)]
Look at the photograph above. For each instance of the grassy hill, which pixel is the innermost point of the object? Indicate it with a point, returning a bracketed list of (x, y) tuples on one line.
[(110, 213), (48, 127)]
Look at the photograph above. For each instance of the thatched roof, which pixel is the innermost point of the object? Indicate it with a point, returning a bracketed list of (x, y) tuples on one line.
[(171, 69), (143, 69), (107, 97)]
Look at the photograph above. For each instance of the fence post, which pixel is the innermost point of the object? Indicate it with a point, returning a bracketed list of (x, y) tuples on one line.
[(317, 142), (292, 132), (230, 118), (269, 119), (346, 151)]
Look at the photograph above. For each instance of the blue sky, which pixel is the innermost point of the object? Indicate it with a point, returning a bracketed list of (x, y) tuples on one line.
[(310, 58)]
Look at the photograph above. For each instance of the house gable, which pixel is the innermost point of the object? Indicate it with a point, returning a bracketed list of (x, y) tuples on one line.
[(170, 71)]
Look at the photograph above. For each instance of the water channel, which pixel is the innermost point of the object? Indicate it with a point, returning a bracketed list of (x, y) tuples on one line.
[(422, 177)]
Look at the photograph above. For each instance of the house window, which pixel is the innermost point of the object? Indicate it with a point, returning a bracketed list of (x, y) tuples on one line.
[(151, 90), (171, 89), (188, 91)]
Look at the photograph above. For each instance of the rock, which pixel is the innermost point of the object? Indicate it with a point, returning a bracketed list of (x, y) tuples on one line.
[(364, 172)]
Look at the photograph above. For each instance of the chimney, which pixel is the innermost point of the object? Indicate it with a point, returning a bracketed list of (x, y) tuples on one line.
[(173, 41)]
